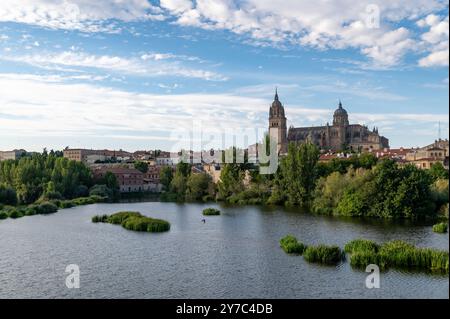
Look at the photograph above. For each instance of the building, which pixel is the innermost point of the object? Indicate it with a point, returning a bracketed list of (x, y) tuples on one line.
[(12, 155), (92, 156), (129, 179), (338, 136), (425, 157)]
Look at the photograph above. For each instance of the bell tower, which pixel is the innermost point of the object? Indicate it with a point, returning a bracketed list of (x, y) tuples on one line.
[(277, 124)]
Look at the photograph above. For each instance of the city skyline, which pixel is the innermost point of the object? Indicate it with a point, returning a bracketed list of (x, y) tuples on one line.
[(126, 75)]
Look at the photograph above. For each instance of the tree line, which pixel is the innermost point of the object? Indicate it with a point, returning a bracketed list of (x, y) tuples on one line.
[(49, 176)]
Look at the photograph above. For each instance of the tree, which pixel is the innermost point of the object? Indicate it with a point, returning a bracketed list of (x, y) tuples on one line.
[(231, 181), (101, 190), (198, 187), (141, 166), (165, 177), (8, 195), (438, 171), (299, 173), (178, 186)]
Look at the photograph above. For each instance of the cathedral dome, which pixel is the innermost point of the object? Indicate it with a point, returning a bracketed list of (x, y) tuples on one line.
[(340, 116)]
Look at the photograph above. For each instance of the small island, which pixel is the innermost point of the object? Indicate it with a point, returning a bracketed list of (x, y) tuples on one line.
[(211, 212), (134, 221)]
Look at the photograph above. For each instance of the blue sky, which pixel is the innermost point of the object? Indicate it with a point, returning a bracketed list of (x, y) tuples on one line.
[(134, 74)]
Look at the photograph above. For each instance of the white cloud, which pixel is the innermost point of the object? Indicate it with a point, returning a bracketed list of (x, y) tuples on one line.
[(52, 108), (435, 41), (133, 66), (87, 16), (320, 24)]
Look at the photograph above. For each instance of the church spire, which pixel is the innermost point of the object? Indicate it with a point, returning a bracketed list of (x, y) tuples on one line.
[(276, 93), (340, 104)]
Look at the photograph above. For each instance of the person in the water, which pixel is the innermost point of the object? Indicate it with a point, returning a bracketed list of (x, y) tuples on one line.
[(204, 220)]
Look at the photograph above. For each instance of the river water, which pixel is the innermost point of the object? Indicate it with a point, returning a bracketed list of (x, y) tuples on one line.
[(234, 255)]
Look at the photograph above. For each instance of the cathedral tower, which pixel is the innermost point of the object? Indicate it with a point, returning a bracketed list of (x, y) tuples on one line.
[(277, 124)]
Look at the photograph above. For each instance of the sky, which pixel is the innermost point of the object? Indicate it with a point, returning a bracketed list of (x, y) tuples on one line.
[(141, 75)]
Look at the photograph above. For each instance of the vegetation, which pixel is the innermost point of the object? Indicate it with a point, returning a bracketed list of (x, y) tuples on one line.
[(291, 245), (141, 166), (134, 221), (361, 245), (46, 207), (323, 254), (397, 254), (43, 176), (100, 218), (385, 191), (440, 228), (211, 212)]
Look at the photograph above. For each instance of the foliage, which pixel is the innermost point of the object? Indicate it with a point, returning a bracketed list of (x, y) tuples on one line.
[(100, 218), (165, 176), (134, 221), (231, 181), (211, 212), (199, 187), (101, 190), (291, 245), (361, 245), (298, 173), (30, 176), (141, 166), (385, 191), (8, 195), (438, 171), (399, 254), (323, 254), (440, 228)]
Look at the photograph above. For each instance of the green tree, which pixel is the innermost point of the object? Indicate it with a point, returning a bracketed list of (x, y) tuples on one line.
[(8, 195), (231, 181), (299, 173), (141, 166), (199, 187), (165, 177), (438, 171)]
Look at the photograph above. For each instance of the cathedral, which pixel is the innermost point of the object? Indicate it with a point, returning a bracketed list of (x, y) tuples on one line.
[(339, 136)]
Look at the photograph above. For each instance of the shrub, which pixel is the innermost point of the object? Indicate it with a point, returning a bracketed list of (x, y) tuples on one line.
[(46, 208), (119, 217), (361, 245), (66, 204), (100, 218), (31, 210), (211, 212), (143, 223), (101, 190), (3, 215), (361, 259), (134, 221), (440, 228), (291, 246), (323, 254), (15, 213), (400, 254)]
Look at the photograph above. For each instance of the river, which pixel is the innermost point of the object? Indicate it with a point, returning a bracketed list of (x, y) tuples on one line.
[(234, 255)]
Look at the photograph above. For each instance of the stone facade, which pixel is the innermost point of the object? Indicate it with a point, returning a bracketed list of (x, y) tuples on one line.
[(338, 136)]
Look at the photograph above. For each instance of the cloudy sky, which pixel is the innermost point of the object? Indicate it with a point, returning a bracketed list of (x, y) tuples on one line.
[(134, 74)]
